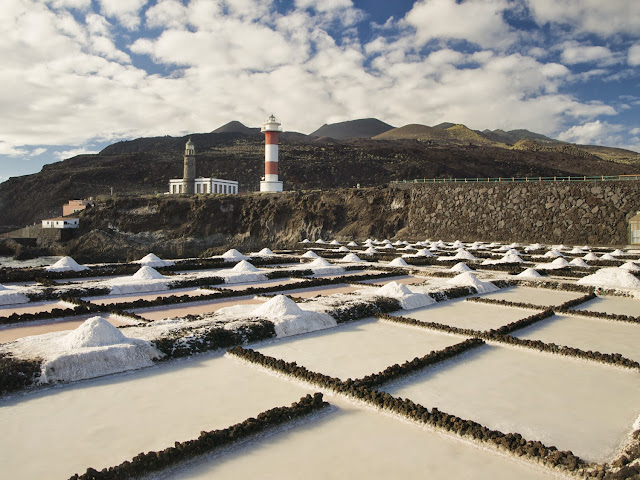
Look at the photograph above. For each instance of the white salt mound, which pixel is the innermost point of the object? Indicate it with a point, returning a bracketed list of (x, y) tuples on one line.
[(233, 254), (310, 254), (278, 306), (334, 242), (289, 319), (265, 252), (590, 256), (94, 349), (398, 262), (611, 277), (66, 264), (607, 256), (370, 251), (244, 266), (578, 262), (529, 273), (423, 253), (630, 266), (577, 251), (320, 262), (553, 254), (352, 244), (511, 257), (617, 252), (306, 240), (464, 255), (94, 332), (148, 273), (320, 241), (343, 250), (468, 279), (152, 260), (460, 267), (351, 257), (408, 300), (457, 244), (9, 296)]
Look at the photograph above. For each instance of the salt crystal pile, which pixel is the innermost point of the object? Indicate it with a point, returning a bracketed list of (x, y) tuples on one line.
[(310, 254), (148, 273), (351, 257), (320, 240), (577, 251), (398, 262), (630, 266), (265, 252), (289, 319), (468, 279), (423, 253), (94, 332), (578, 262), (244, 267), (457, 244), (343, 250), (306, 240), (320, 262), (370, 251), (9, 296), (611, 277), (528, 273), (408, 300), (590, 256), (233, 255), (66, 264), (553, 254), (334, 242), (607, 256), (460, 267), (352, 244), (617, 252), (152, 260), (557, 263)]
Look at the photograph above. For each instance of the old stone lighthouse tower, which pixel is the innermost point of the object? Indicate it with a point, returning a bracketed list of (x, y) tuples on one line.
[(189, 176)]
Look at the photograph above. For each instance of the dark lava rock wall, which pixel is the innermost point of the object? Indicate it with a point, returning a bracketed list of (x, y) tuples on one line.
[(594, 213), (573, 213)]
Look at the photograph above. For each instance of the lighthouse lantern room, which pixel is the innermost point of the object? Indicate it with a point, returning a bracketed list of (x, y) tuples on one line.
[(271, 129)]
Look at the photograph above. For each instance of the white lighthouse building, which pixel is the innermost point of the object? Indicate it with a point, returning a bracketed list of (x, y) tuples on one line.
[(271, 129), (190, 184)]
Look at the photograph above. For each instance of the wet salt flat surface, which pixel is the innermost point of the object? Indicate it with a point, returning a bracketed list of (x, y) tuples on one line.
[(9, 333), (536, 296), (33, 307), (57, 432), (196, 308), (321, 291), (357, 349), (192, 292), (348, 442), (576, 405), (605, 336), (347, 273), (271, 283), (616, 305), (462, 314)]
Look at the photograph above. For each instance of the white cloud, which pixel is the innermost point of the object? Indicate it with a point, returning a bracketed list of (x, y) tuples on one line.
[(593, 133), (605, 18), (634, 55), (127, 12), (477, 21), (77, 4), (574, 53), (166, 13), (11, 150)]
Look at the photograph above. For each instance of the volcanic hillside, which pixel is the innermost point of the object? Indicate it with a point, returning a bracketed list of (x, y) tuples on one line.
[(145, 165)]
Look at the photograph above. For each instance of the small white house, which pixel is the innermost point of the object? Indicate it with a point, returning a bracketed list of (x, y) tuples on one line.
[(205, 185), (61, 222)]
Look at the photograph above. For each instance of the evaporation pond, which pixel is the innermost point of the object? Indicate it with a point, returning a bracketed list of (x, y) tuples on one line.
[(196, 308), (348, 442), (586, 407), (98, 423), (605, 336), (462, 314), (614, 305), (535, 296), (108, 300), (33, 307), (356, 349)]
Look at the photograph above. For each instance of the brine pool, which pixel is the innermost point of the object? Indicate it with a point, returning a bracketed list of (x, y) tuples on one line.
[(576, 405), (535, 296)]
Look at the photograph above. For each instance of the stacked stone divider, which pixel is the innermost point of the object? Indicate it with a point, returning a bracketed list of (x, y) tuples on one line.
[(513, 443), (506, 303), (604, 316), (207, 442)]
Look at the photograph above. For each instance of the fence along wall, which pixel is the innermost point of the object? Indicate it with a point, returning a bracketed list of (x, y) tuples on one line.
[(575, 213)]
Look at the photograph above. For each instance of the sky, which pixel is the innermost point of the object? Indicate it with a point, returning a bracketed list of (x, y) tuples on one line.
[(78, 75)]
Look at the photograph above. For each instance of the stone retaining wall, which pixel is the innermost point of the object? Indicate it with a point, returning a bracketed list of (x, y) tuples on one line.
[(594, 213)]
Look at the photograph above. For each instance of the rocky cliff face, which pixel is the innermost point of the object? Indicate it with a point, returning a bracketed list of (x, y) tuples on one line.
[(594, 213)]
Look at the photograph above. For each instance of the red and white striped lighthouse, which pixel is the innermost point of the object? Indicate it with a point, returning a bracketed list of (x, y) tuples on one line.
[(271, 129)]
